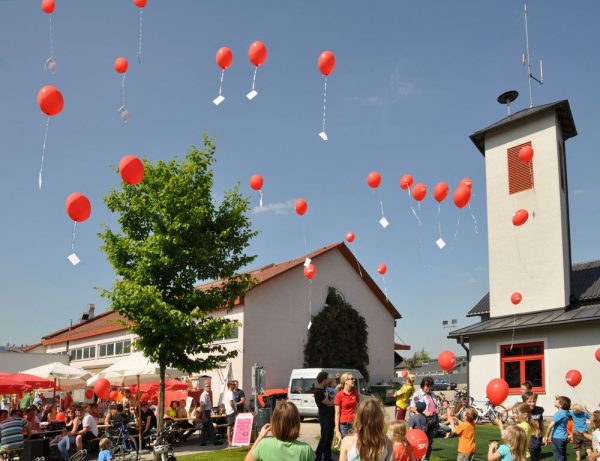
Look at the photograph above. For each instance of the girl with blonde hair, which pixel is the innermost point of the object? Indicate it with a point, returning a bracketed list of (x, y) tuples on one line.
[(367, 441), (514, 447), (345, 403)]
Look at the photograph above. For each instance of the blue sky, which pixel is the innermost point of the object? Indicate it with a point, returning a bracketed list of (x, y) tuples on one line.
[(412, 81)]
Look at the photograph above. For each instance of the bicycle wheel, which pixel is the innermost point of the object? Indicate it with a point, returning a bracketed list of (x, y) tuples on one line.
[(502, 413), (130, 448)]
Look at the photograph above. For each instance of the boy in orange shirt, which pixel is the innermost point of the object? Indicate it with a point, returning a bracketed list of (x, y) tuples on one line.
[(466, 436)]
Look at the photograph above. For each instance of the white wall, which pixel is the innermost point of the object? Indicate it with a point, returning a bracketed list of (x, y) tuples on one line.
[(277, 316), (13, 362), (532, 259), (565, 349)]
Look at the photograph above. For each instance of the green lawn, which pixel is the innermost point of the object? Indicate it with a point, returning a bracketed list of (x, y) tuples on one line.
[(443, 449)]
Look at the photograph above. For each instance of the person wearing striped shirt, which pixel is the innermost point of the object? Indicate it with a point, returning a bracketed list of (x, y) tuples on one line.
[(11, 433)]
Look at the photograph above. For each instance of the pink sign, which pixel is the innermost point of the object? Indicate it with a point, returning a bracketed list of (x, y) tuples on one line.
[(242, 430)]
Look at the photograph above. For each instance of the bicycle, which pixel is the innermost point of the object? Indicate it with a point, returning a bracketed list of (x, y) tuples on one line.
[(124, 445), (489, 413), (162, 448)]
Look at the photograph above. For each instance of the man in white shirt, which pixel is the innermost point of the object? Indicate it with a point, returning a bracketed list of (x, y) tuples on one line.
[(89, 431), (205, 408), (228, 401)]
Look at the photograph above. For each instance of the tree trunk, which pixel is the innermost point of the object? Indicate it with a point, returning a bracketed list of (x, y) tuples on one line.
[(161, 396)]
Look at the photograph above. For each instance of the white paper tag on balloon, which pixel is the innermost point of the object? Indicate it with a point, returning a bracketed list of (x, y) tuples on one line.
[(307, 262), (323, 136), (252, 94), (218, 100), (309, 325), (73, 258), (384, 222), (440, 243)]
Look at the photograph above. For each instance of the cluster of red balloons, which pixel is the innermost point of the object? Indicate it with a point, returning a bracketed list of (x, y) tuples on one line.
[(447, 360), (462, 194), (257, 53)]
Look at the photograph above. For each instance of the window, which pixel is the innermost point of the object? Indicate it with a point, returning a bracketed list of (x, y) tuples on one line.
[(520, 174), (231, 333), (303, 386), (523, 362), (83, 353), (116, 348)]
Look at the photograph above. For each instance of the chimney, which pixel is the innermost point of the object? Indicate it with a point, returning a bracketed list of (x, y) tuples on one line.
[(91, 309)]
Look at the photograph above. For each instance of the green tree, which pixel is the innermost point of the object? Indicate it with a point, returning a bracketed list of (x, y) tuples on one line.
[(418, 358), (338, 337), (172, 235)]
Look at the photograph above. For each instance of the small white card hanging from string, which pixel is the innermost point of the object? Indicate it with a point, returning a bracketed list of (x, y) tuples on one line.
[(325, 63), (350, 239), (79, 209), (224, 58), (374, 181), (310, 271), (256, 182), (440, 192), (48, 8), (382, 269), (121, 65), (406, 183), (258, 55), (141, 4), (51, 103)]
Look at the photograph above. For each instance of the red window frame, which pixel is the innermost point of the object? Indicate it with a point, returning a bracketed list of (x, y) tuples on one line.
[(520, 175), (521, 359)]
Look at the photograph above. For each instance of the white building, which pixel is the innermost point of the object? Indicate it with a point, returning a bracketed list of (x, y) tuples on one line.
[(556, 326), (273, 318)]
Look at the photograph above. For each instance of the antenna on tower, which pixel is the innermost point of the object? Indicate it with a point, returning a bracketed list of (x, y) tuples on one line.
[(526, 58)]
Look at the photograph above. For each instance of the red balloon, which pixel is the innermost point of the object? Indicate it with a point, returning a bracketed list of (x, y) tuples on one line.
[(440, 191), (526, 154), (131, 169), (102, 388), (78, 207), (310, 271), (350, 237), (224, 57), (48, 6), (140, 3), (447, 360), (257, 53), (497, 391), (121, 65), (374, 179), (89, 394), (418, 441), (516, 298), (144, 397), (404, 373), (573, 377), (406, 181), (114, 395), (520, 217), (301, 206), (419, 192), (326, 62), (256, 182), (462, 195), (466, 182), (382, 268), (50, 100), (598, 354), (60, 417)]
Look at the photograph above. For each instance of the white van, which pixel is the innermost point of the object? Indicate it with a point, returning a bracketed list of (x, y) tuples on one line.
[(303, 382)]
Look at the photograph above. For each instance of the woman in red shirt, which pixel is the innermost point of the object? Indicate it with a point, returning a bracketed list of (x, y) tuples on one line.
[(346, 401)]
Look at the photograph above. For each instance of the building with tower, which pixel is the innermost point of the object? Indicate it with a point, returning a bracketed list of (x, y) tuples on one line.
[(556, 326)]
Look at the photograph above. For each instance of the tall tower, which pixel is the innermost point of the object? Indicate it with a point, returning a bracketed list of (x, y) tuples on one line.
[(533, 259)]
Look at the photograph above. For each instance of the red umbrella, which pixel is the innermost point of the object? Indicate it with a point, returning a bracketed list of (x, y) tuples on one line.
[(24, 379), (171, 384), (9, 387)]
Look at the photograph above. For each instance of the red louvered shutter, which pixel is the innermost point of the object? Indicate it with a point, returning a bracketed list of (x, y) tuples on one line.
[(520, 174)]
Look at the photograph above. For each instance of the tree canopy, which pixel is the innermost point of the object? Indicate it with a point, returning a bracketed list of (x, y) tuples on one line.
[(173, 236)]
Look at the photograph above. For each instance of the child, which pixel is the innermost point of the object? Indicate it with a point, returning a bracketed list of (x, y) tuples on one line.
[(397, 434), (523, 418), (580, 417), (557, 431), (105, 446), (537, 426), (466, 436), (514, 447), (595, 436), (418, 420)]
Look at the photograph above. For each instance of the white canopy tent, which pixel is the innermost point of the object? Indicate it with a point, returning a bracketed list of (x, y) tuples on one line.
[(64, 376), (132, 369)]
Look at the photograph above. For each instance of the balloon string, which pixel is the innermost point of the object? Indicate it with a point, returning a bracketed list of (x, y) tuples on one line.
[(260, 201), (381, 203), (355, 256), (221, 85), (140, 48), (457, 225), (123, 91), (50, 34), (512, 339), (43, 152), (73, 237), (384, 288), (439, 220), (519, 255), (309, 300), (324, 103), (474, 220), (304, 236), (411, 207), (254, 78)]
